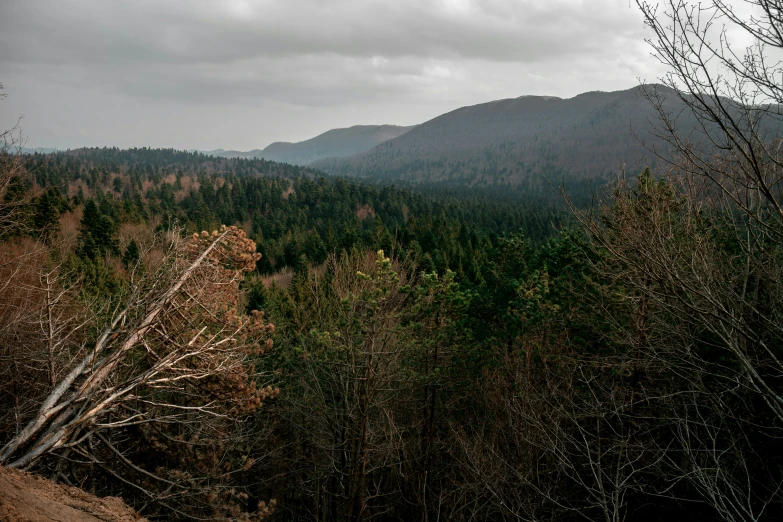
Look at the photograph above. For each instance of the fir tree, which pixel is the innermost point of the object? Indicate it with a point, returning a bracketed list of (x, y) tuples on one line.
[(96, 233), (46, 216), (132, 254)]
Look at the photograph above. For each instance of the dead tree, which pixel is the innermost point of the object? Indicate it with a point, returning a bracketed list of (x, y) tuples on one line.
[(171, 368)]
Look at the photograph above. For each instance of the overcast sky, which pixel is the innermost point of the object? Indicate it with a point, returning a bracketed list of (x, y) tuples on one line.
[(240, 74)]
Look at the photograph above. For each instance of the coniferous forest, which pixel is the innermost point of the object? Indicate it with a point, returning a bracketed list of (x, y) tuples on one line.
[(214, 338)]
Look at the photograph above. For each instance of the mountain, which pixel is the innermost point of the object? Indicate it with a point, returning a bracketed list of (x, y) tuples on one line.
[(223, 153), (520, 141), (334, 143), (39, 150)]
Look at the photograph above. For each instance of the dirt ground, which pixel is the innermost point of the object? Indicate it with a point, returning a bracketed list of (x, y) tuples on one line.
[(25, 497)]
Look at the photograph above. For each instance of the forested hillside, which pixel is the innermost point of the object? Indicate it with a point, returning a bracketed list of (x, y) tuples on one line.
[(93, 231), (429, 354), (531, 141), (288, 211), (239, 339), (521, 140), (334, 143)]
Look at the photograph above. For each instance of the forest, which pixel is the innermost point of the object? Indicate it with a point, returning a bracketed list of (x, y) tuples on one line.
[(239, 339)]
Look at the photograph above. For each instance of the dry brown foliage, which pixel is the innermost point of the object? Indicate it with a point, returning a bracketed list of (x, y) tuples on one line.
[(152, 401)]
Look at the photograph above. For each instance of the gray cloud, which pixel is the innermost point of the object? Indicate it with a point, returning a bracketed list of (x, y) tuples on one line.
[(199, 31), (107, 71)]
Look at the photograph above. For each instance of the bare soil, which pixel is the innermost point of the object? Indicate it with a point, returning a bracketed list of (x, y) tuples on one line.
[(25, 497)]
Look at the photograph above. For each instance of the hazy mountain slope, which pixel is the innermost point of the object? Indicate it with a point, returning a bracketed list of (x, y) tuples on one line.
[(39, 150), (516, 141), (334, 143), (222, 153)]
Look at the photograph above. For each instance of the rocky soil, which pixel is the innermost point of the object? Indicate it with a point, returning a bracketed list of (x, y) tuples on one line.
[(25, 497)]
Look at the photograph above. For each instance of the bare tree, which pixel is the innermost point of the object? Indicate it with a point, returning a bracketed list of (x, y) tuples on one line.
[(696, 256), (12, 202), (706, 328), (735, 96), (566, 434), (170, 371), (22, 357)]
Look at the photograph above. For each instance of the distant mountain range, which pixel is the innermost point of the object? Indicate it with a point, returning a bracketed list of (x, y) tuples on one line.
[(335, 143), (39, 150), (525, 142), (518, 141)]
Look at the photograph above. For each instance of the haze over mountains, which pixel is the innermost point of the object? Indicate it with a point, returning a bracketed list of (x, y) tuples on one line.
[(526, 142), (518, 141), (522, 141), (335, 143), (39, 150)]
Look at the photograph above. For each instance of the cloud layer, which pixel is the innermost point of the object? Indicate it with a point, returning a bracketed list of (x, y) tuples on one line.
[(242, 73)]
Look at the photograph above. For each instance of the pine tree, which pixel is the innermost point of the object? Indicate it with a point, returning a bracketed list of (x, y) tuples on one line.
[(46, 217), (97, 233), (132, 254)]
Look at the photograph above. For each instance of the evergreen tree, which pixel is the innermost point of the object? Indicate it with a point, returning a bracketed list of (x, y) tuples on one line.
[(132, 254), (97, 233), (46, 216)]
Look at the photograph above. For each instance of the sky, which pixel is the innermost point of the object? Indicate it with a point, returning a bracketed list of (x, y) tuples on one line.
[(240, 74)]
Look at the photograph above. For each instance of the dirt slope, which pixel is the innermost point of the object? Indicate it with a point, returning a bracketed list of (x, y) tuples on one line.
[(25, 497)]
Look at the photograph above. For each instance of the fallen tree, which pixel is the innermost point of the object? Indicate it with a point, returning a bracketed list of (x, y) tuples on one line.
[(152, 403)]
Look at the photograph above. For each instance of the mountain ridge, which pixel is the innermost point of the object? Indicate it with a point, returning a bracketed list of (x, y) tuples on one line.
[(339, 142), (528, 142), (518, 140)]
